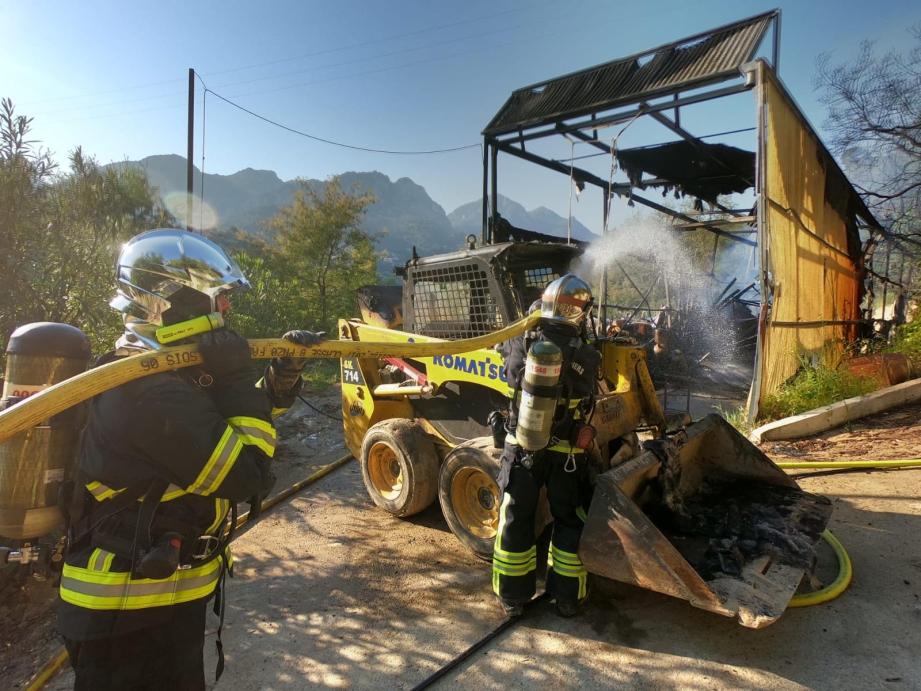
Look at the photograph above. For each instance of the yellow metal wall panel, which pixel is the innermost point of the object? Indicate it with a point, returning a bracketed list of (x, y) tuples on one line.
[(815, 282)]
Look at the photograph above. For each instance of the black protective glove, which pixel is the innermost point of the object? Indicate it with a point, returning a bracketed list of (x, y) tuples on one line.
[(225, 354), (285, 372), (268, 482)]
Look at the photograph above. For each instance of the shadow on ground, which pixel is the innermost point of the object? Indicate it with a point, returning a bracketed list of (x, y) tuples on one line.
[(332, 592)]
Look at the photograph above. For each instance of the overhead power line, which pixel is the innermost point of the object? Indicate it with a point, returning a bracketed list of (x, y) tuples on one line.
[(383, 39), (335, 143)]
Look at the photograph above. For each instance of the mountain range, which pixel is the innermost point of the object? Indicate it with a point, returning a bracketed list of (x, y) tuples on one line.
[(403, 215)]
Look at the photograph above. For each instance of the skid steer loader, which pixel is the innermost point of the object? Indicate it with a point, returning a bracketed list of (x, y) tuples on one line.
[(700, 514)]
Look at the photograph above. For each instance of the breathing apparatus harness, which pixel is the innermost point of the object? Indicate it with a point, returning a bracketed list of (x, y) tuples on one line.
[(562, 417)]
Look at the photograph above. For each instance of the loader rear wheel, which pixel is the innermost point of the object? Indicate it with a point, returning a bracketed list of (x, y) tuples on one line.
[(469, 494), (399, 467)]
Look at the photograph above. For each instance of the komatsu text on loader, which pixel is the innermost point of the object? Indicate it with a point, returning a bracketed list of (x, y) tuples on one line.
[(701, 515)]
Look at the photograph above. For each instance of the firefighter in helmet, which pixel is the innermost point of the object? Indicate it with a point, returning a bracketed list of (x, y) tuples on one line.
[(163, 462), (560, 466)]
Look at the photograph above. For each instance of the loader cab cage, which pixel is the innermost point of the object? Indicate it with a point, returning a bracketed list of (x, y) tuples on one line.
[(476, 291)]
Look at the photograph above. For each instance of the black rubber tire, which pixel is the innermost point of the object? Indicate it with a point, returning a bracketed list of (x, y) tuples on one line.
[(399, 443), (473, 459)]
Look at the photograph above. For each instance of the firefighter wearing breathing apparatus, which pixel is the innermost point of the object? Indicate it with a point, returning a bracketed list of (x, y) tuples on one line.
[(163, 461), (552, 371)]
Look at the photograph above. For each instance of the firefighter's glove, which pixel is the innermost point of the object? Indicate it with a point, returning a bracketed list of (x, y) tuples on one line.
[(268, 482), (285, 372), (226, 355)]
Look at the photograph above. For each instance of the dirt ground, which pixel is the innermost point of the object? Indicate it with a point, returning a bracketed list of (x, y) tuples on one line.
[(892, 435), (330, 591)]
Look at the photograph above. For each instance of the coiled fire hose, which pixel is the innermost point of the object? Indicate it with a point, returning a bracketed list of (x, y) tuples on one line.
[(70, 392), (845, 568)]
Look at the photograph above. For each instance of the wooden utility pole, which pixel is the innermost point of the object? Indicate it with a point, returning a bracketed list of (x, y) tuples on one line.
[(190, 151)]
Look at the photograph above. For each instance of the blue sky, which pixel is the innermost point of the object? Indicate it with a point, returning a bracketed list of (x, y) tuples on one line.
[(111, 76)]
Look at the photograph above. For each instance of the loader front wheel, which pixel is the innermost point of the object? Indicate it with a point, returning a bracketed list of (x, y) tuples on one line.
[(399, 467), (469, 494)]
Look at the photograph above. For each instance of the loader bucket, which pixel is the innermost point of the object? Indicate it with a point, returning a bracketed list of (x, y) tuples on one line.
[(715, 523)]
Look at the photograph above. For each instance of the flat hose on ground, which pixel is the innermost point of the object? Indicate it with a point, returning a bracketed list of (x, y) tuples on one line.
[(70, 392), (848, 465), (54, 665)]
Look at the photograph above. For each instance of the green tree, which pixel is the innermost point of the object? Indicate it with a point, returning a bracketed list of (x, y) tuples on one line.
[(61, 232), (273, 304), (325, 255)]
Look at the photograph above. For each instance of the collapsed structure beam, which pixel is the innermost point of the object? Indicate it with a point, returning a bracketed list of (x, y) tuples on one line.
[(577, 173), (677, 214), (593, 141), (698, 145), (622, 190)]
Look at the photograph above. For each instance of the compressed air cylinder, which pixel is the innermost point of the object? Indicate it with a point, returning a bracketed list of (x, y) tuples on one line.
[(34, 463), (539, 393)]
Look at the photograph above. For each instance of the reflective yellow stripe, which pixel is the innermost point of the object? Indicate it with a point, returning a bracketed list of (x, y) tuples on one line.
[(222, 459), (506, 498), (567, 557), (562, 447), (506, 563), (221, 507), (580, 512), (514, 557), (497, 546), (507, 570), (118, 591), (565, 447), (278, 411), (100, 560), (570, 565), (101, 492), (172, 492), (255, 432)]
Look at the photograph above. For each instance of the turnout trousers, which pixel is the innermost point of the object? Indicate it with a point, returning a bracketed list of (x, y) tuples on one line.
[(166, 656), (514, 570)]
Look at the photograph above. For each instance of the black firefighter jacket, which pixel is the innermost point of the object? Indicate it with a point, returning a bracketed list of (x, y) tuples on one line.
[(210, 445)]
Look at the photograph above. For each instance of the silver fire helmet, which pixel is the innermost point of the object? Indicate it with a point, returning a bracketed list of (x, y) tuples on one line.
[(567, 300), (167, 275)]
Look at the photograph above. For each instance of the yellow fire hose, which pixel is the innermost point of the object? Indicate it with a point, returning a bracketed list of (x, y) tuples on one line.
[(848, 465), (826, 594), (837, 586), (69, 392), (53, 666), (845, 568), (77, 389)]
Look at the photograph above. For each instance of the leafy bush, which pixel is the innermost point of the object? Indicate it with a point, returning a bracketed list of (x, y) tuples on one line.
[(907, 341), (813, 387), (738, 418)]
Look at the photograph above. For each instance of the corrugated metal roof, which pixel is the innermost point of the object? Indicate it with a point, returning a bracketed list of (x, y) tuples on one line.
[(689, 62)]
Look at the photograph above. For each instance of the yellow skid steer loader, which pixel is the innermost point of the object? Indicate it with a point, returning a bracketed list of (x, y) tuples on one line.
[(700, 514)]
